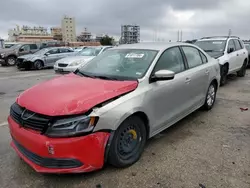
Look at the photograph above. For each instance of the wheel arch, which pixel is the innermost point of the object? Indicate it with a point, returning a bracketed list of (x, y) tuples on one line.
[(40, 61), (12, 55)]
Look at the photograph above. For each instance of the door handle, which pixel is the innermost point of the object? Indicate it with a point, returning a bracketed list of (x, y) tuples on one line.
[(207, 72), (237, 54), (187, 80), (244, 52)]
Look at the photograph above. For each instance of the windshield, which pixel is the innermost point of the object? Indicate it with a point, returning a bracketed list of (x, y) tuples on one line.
[(16, 46), (212, 45), (90, 51), (125, 64)]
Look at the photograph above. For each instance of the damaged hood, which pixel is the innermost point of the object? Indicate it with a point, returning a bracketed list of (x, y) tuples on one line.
[(72, 94)]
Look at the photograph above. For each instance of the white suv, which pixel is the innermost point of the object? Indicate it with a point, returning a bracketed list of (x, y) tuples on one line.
[(230, 52)]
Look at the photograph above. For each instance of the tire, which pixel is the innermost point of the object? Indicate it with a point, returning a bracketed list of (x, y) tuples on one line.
[(38, 65), (210, 97), (224, 71), (242, 71), (11, 60), (128, 143)]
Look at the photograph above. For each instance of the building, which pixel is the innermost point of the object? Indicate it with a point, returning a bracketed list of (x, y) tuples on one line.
[(29, 34), (56, 32), (130, 34), (85, 36), (68, 29)]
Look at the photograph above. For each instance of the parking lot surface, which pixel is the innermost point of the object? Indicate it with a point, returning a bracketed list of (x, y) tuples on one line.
[(206, 149)]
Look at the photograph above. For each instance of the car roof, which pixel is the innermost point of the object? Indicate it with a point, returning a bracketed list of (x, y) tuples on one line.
[(218, 38), (152, 45)]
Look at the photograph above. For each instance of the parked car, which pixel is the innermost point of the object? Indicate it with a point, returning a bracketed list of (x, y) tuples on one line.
[(230, 52), (8, 56), (43, 58), (107, 109), (70, 64), (247, 45)]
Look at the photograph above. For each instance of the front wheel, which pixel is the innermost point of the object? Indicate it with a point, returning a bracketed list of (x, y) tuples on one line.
[(210, 97), (38, 65), (11, 61), (128, 142)]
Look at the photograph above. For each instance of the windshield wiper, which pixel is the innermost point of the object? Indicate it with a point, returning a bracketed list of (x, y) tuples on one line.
[(106, 77)]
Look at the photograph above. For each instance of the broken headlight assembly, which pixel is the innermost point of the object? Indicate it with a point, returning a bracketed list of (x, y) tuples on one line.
[(69, 127)]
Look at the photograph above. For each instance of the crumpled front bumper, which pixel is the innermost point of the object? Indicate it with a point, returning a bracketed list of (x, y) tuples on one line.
[(59, 155)]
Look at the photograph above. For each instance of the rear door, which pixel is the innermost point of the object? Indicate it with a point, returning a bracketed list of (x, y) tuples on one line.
[(33, 48), (240, 53), (197, 76), (64, 52)]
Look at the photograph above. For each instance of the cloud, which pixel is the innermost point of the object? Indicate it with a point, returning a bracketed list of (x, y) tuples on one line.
[(158, 19)]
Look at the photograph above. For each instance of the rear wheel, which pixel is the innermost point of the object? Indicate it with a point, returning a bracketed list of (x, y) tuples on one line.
[(210, 97), (128, 142), (38, 65), (242, 71), (11, 60)]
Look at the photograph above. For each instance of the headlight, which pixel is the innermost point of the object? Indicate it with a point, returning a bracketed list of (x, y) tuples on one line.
[(3, 54), (76, 63), (68, 127)]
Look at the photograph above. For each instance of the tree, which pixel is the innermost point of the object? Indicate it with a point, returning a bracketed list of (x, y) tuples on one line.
[(106, 40)]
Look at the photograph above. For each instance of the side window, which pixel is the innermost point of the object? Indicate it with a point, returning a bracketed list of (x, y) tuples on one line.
[(231, 46), (172, 60), (64, 50), (203, 57), (193, 56), (33, 46), (25, 48), (53, 51), (237, 45)]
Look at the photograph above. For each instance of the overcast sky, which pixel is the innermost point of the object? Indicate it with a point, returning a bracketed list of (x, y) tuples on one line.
[(158, 19)]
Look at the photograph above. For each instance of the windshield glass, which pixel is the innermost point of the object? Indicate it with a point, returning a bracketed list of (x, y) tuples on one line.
[(90, 51), (16, 46), (212, 45), (125, 64)]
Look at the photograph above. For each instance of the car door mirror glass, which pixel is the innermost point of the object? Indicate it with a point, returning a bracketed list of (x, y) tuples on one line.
[(21, 50), (163, 75), (47, 53)]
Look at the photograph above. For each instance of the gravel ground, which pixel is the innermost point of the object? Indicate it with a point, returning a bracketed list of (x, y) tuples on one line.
[(204, 150)]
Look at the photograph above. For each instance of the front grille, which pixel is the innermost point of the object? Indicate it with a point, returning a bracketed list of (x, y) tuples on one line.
[(47, 162), (29, 119), (62, 65), (19, 60)]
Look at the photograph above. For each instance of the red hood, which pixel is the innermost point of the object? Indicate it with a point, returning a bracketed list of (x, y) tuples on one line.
[(71, 94)]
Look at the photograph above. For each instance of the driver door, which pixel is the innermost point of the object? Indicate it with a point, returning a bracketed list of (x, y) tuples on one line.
[(25, 49), (51, 57), (168, 99), (232, 56)]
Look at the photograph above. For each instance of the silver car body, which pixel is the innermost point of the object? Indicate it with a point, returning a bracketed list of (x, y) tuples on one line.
[(46, 57), (161, 103), (72, 63)]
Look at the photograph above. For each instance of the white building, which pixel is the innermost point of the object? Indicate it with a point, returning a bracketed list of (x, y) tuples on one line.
[(68, 29)]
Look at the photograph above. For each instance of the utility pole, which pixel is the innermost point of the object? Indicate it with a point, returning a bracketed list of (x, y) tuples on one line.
[(178, 35), (181, 36), (229, 32)]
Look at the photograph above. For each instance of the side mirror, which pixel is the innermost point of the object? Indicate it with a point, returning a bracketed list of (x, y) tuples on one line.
[(47, 53), (21, 50), (230, 50), (162, 75)]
